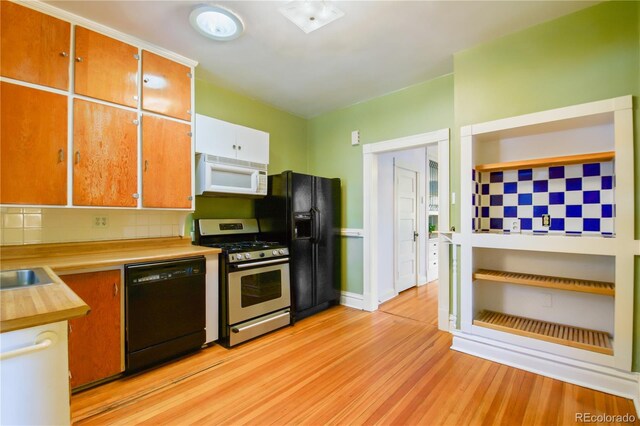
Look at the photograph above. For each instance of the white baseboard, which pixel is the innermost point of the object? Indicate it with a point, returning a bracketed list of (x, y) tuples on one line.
[(387, 296), (636, 399), (352, 300), (593, 376)]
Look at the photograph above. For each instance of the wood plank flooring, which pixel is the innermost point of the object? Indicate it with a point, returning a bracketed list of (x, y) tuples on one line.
[(339, 367), (417, 303)]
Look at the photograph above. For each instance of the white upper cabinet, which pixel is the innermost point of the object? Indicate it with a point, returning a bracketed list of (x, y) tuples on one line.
[(217, 137)]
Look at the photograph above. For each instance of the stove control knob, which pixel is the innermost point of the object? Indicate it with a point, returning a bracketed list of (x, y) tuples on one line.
[(281, 251), (262, 254), (275, 252), (247, 256)]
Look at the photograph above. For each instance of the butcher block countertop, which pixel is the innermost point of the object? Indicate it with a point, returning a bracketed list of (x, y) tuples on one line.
[(36, 305)]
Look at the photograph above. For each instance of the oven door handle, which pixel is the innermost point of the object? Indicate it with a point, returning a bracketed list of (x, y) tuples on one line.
[(265, 262), (266, 320)]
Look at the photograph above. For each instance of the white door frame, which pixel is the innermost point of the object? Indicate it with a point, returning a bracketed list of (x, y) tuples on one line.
[(416, 212), (370, 156)]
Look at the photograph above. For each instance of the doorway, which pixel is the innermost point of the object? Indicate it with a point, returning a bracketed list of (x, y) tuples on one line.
[(376, 250)]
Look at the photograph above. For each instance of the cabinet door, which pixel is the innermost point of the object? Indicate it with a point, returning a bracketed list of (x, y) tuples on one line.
[(33, 146), (95, 341), (166, 153), (104, 155), (252, 145), (35, 46), (215, 136), (105, 68), (166, 86)]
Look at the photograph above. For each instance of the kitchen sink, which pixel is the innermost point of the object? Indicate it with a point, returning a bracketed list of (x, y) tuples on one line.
[(18, 278)]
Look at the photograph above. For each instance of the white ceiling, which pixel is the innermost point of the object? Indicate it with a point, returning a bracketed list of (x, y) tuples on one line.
[(378, 46)]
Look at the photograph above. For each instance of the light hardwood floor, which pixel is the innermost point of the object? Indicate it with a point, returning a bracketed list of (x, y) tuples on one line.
[(343, 366)]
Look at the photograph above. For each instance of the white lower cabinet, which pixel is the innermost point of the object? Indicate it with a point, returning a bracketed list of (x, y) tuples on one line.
[(432, 260), (35, 381)]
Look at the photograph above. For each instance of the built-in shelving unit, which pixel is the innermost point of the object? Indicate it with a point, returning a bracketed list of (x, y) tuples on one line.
[(547, 223), (547, 162), (581, 338), (559, 283)]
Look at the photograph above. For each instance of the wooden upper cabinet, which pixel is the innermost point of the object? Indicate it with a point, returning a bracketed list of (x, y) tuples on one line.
[(166, 86), (105, 68), (166, 170), (35, 47), (33, 146), (104, 155), (95, 341)]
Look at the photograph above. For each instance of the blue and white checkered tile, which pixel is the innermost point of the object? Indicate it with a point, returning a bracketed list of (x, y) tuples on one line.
[(475, 200), (579, 198)]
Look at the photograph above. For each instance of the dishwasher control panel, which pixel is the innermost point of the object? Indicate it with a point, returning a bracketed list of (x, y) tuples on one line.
[(166, 271)]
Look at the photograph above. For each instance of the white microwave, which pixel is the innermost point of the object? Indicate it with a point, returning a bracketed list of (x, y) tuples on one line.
[(225, 176)]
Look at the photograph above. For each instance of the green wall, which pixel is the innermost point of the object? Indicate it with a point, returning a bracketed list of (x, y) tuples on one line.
[(417, 109), (287, 141)]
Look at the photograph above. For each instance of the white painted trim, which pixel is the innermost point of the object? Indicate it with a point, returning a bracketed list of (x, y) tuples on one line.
[(547, 243), (558, 114), (103, 29), (352, 300), (414, 141), (352, 232), (593, 376), (370, 216)]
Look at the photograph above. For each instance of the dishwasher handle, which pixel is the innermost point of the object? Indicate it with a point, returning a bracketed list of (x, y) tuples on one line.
[(43, 341)]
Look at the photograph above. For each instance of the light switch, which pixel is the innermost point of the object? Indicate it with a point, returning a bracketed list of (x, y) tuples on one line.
[(355, 137)]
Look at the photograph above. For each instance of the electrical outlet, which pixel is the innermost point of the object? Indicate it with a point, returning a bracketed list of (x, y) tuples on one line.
[(547, 301), (546, 220), (100, 221), (513, 225)]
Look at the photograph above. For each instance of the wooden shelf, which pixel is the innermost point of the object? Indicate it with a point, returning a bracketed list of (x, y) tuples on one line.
[(546, 162), (575, 337), (570, 284)]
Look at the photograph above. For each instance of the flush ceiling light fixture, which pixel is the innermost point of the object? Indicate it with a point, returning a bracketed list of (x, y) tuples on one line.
[(310, 15), (216, 22)]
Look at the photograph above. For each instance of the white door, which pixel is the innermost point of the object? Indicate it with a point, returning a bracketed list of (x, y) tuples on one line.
[(406, 227)]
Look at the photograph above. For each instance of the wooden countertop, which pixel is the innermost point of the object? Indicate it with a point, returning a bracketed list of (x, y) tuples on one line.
[(28, 307), (98, 254), (38, 305)]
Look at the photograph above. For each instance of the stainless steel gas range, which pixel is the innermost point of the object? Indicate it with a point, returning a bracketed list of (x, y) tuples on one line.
[(254, 279)]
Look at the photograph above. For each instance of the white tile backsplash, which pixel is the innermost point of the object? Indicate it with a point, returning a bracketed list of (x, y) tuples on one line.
[(57, 225)]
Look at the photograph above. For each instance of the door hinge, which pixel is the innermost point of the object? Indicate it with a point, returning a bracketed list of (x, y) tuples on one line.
[(189, 75), (136, 56), (135, 195), (190, 133), (136, 122)]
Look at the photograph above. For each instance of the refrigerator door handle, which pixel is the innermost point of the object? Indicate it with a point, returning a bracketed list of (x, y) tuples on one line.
[(317, 228)]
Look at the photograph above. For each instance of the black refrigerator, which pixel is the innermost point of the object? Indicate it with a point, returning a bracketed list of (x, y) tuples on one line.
[(304, 212)]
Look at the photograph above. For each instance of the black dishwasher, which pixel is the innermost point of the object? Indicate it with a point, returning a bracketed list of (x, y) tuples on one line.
[(164, 310)]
